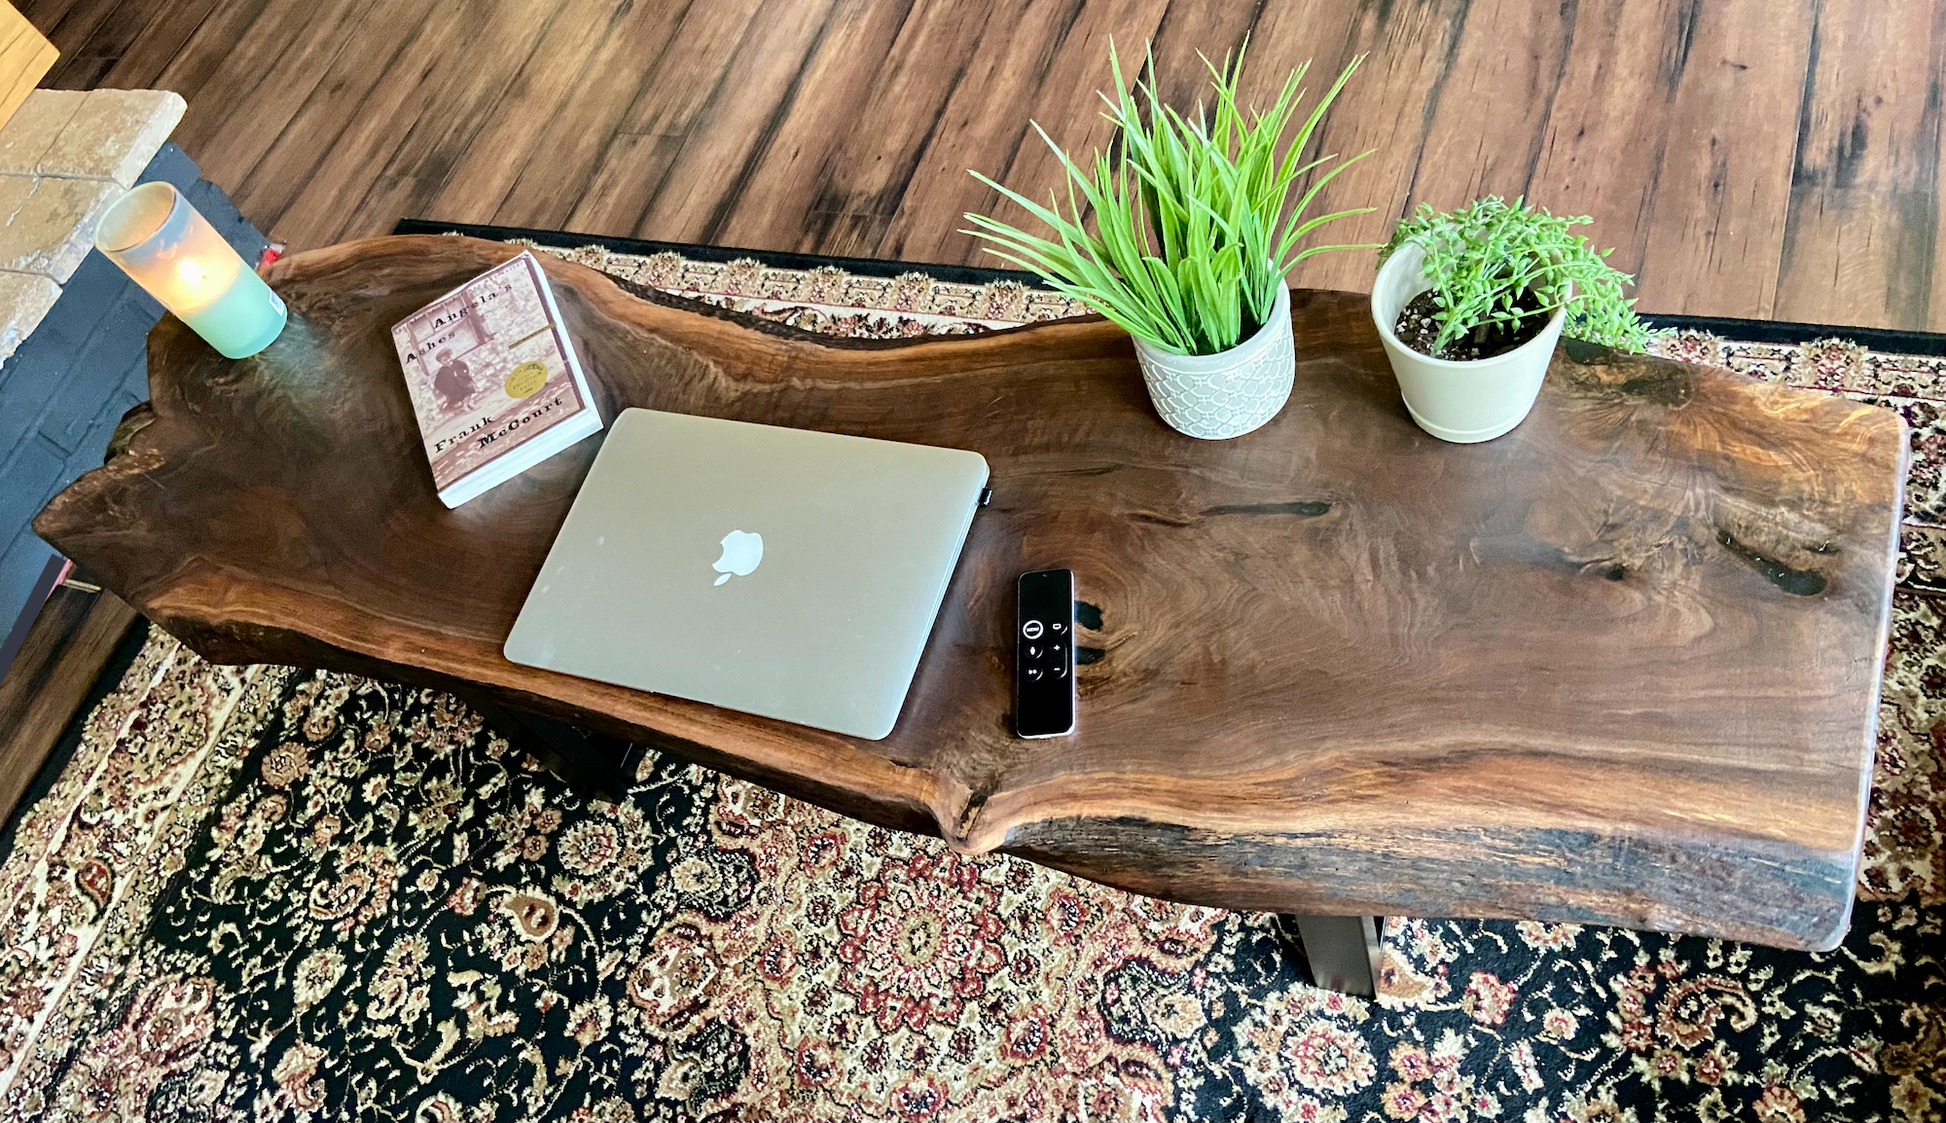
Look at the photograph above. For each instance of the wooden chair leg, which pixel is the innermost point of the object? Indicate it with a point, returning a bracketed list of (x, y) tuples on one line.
[(1343, 952)]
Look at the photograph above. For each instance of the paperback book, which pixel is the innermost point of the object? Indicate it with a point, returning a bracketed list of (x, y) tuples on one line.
[(493, 379)]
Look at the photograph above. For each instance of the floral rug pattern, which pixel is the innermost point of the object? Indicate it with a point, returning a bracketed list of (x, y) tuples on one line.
[(274, 894)]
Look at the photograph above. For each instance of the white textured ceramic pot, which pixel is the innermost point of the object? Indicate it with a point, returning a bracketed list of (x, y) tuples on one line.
[(1227, 394), (1463, 402)]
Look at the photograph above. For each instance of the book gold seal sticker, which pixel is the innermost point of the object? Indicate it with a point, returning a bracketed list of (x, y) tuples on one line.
[(526, 380)]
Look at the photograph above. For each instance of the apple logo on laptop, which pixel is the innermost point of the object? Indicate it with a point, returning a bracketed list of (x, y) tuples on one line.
[(742, 553)]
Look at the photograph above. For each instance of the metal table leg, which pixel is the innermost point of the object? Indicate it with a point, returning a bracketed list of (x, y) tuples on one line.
[(1343, 952)]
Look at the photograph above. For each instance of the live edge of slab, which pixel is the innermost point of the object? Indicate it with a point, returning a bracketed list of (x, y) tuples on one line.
[(1620, 666)]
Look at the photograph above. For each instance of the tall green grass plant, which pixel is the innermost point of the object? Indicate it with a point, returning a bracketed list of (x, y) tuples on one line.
[(1192, 226)]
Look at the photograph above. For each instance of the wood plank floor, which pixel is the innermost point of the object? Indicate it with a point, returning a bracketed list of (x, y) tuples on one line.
[(1766, 158)]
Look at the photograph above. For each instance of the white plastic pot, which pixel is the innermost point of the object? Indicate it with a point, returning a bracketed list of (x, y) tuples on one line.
[(1462, 402), (1227, 394)]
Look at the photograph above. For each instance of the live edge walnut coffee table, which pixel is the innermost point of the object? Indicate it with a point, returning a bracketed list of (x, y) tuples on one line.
[(1620, 666)]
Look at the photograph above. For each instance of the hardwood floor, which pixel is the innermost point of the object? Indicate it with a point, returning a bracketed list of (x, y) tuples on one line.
[(1766, 158)]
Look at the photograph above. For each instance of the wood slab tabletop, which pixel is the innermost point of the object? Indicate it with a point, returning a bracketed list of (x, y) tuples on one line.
[(1620, 666)]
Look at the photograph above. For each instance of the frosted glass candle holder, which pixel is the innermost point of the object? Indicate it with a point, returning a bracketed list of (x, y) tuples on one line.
[(173, 252)]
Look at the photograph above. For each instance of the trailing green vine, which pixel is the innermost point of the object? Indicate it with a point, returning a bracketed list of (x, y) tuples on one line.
[(1495, 263)]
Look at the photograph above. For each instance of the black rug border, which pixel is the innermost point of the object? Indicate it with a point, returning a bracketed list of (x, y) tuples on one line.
[(1890, 340)]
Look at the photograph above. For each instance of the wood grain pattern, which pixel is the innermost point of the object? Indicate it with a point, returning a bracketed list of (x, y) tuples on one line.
[(1620, 666), (1387, 110), (1721, 190), (569, 155), (127, 34), (1748, 157), (25, 55), (1495, 102), (686, 75), (1866, 186), (341, 110), (986, 120), (784, 188), (482, 175), (734, 128)]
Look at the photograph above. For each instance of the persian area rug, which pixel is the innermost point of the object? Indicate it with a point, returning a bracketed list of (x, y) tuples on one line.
[(262, 893)]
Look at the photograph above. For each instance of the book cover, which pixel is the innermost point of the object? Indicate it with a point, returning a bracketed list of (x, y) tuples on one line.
[(493, 379)]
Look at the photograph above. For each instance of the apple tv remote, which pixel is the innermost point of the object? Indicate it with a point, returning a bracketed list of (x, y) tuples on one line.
[(1044, 654)]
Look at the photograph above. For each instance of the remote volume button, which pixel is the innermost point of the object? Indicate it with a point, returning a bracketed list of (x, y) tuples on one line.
[(1031, 629)]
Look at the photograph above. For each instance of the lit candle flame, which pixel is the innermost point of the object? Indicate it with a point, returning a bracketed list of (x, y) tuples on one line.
[(177, 257)]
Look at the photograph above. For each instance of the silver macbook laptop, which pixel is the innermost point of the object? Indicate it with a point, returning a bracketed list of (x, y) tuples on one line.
[(781, 572)]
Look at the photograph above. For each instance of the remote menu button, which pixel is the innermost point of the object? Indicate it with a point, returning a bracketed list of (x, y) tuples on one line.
[(1031, 629)]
